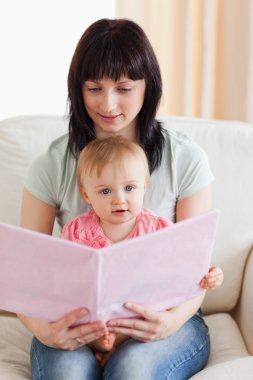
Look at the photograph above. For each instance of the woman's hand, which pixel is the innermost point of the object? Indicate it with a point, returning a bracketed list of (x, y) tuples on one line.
[(62, 334), (152, 325)]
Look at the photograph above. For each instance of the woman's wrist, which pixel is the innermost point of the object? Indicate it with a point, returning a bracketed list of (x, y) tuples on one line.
[(183, 312)]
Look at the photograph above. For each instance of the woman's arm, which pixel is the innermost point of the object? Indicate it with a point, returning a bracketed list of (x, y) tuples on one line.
[(39, 216), (194, 205), (158, 325)]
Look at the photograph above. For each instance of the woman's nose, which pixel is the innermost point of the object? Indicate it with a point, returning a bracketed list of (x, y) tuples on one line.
[(109, 101)]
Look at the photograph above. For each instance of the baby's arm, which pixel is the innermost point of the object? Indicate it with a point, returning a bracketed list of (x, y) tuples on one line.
[(213, 279)]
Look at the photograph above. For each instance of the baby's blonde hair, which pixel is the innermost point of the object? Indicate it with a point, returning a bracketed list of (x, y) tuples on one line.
[(100, 152)]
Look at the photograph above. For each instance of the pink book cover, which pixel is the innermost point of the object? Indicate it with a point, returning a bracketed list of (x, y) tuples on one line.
[(46, 277)]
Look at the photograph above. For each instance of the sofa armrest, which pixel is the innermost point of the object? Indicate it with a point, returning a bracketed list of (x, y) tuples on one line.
[(244, 310), (235, 369)]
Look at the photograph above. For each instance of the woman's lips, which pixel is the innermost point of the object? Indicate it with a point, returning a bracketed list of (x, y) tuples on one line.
[(109, 118)]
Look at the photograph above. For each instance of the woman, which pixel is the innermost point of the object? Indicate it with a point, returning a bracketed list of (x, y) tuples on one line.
[(114, 87)]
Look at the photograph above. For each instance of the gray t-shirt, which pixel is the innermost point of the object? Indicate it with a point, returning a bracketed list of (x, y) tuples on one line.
[(184, 170)]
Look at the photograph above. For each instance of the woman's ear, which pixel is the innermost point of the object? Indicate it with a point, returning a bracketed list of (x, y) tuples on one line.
[(84, 195)]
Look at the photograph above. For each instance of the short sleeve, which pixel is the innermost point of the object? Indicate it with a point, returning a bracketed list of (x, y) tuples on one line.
[(191, 168), (44, 176), (39, 181)]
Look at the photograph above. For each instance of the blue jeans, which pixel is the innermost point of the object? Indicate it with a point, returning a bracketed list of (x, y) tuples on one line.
[(175, 358)]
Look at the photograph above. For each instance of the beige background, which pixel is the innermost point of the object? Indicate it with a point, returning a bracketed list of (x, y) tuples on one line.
[(205, 50)]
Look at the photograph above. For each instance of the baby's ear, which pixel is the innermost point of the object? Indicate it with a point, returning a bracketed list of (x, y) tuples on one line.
[(84, 195), (146, 184)]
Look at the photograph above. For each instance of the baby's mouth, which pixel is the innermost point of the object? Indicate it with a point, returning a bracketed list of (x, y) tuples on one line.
[(120, 211)]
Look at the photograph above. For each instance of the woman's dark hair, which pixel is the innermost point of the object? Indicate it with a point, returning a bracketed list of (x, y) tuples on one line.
[(113, 49)]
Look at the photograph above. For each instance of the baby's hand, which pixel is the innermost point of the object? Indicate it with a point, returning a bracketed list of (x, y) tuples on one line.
[(213, 279), (105, 343), (103, 357)]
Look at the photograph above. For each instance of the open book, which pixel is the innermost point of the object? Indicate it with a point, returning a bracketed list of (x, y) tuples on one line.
[(46, 277)]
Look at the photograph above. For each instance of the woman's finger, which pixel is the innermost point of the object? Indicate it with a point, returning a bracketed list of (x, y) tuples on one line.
[(145, 313), (151, 326), (131, 323), (67, 336), (89, 332), (148, 320), (144, 329), (141, 335), (69, 319)]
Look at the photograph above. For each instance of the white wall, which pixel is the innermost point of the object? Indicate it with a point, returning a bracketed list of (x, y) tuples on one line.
[(37, 41)]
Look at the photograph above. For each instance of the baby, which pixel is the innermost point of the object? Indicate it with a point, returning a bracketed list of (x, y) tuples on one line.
[(113, 175)]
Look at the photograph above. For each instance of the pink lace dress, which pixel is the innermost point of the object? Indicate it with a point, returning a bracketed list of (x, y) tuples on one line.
[(86, 229)]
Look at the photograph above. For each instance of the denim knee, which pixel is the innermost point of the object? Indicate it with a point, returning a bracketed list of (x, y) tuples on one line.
[(127, 363), (175, 358), (51, 364)]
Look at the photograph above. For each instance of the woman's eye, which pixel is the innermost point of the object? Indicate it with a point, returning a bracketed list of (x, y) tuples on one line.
[(93, 89), (129, 188), (125, 89), (105, 191)]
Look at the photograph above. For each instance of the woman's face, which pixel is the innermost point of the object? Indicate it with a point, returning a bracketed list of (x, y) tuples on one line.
[(114, 106)]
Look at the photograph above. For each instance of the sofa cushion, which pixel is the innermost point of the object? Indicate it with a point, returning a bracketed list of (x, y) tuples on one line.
[(239, 369), (244, 310), (226, 342), (15, 342), (226, 339), (21, 140)]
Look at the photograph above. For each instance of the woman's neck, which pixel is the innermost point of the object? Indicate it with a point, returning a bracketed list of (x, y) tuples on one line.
[(129, 132)]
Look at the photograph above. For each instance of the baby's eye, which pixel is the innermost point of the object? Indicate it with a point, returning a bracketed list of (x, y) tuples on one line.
[(129, 188), (105, 191)]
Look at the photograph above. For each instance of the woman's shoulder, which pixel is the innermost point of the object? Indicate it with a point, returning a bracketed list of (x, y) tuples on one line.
[(58, 147), (182, 147), (49, 170), (55, 157), (53, 154), (177, 139), (187, 162)]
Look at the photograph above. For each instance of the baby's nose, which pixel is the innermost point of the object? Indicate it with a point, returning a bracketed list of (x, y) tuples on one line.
[(118, 200)]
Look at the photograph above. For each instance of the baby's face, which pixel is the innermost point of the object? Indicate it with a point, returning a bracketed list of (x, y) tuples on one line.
[(117, 194)]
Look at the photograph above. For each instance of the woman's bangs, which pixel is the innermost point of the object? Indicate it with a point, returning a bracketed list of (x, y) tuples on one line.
[(112, 64)]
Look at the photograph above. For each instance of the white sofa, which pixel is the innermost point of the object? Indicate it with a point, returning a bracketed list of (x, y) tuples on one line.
[(228, 310)]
